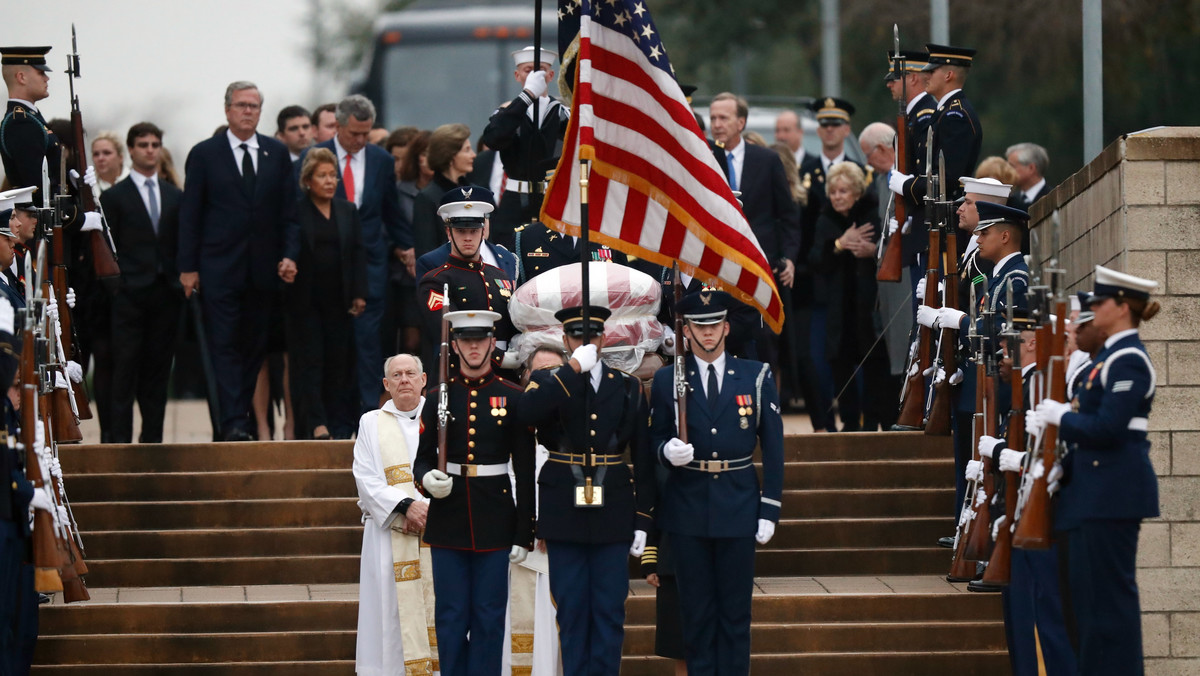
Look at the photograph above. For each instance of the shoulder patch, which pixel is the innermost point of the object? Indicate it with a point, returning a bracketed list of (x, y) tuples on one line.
[(925, 111), (435, 301)]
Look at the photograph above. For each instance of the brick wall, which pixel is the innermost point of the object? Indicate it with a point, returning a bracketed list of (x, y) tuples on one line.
[(1136, 208)]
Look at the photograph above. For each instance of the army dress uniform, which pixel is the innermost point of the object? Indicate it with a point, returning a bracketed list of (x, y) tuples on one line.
[(713, 507), (472, 530), (918, 117), (1109, 486), (540, 249), (589, 545)]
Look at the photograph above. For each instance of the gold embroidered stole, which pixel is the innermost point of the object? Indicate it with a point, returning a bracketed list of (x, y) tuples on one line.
[(410, 559)]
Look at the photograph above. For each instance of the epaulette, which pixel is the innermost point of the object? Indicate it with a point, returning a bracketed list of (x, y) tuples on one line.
[(519, 229), (719, 144), (925, 111), (870, 174)]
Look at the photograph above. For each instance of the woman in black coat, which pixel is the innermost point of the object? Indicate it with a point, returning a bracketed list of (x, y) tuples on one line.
[(844, 254), (325, 294), (451, 158)]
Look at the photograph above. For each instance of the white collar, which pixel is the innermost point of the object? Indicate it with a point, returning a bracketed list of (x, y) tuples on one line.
[(719, 363), (27, 104), (826, 163), (1000, 263), (912, 103), (390, 407), (1026, 368), (738, 150), (942, 101), (342, 152), (1033, 190), (1119, 335), (235, 142), (143, 179)]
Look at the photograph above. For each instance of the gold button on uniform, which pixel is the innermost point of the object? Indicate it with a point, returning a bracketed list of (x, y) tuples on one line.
[(470, 456), (593, 416), (1095, 463), (470, 430), (470, 444), (471, 417), (474, 404), (474, 393)]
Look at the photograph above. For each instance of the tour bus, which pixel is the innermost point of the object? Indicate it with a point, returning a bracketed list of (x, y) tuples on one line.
[(449, 64)]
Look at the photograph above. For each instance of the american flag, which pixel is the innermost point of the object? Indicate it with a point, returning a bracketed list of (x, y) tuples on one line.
[(655, 191)]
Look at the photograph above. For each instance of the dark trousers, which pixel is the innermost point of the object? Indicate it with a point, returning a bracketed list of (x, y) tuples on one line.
[(1032, 602), (716, 578), (472, 596), (93, 327), (1102, 563), (589, 584), (145, 326), (806, 377), (18, 602), (322, 372), (368, 339), (236, 321), (874, 379)]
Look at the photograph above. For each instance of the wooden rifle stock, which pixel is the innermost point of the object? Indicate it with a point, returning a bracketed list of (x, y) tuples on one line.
[(891, 266), (1033, 530), (999, 570), (104, 259), (67, 333), (64, 424), (46, 556), (912, 402), (978, 531), (939, 423), (72, 587)]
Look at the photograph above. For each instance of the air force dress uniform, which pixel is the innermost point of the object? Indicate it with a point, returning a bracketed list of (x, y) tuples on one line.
[(713, 505), (1109, 486), (472, 529), (589, 543)]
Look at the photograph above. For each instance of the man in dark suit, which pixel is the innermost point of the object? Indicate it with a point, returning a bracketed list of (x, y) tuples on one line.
[(143, 214), (712, 503), (237, 233), (368, 178), (1030, 162)]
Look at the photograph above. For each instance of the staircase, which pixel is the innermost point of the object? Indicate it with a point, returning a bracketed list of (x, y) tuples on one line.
[(242, 559)]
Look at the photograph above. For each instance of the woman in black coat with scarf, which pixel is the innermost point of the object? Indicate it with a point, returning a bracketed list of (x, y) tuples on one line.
[(844, 254), (324, 296)]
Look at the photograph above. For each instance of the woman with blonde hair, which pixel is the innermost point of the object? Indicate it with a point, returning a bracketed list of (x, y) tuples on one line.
[(108, 158)]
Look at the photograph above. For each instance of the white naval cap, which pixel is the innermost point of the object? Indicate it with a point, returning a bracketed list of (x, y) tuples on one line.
[(1113, 284), (11, 198), (526, 56), (985, 186)]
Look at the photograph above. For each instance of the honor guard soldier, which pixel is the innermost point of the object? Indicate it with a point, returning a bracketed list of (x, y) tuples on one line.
[(1108, 484), (590, 513), (528, 148), (473, 526), (474, 283), (712, 505), (957, 134), (540, 249), (918, 113)]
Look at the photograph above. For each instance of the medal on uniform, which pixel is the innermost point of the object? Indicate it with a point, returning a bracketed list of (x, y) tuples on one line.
[(498, 406), (505, 286), (745, 404), (1092, 375)]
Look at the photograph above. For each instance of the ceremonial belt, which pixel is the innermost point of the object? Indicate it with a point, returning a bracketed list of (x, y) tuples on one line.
[(527, 187), (582, 458), (715, 466), (497, 469), (1139, 424)]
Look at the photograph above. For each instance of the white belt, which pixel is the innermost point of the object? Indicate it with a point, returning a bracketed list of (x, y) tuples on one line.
[(524, 186), (1139, 424), (498, 469)]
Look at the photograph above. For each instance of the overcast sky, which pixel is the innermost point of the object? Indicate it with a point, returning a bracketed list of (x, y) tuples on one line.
[(168, 61)]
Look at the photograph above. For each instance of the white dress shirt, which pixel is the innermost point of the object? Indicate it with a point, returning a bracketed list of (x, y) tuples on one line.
[(719, 364), (1029, 194), (826, 162), (358, 167), (942, 101), (235, 144), (142, 180), (1000, 263)]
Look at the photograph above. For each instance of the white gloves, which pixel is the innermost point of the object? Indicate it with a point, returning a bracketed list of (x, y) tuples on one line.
[(927, 316), (677, 452), (1052, 411), (988, 444), (71, 298), (974, 471), (1052, 479), (511, 360), (669, 341), (74, 371), (437, 483), (42, 500), (91, 222), (639, 543), (518, 554), (535, 83), (998, 525), (7, 315), (955, 378), (587, 356), (920, 292), (892, 227), (896, 181), (1034, 422), (1012, 461), (766, 530), (89, 176), (949, 318), (52, 309)]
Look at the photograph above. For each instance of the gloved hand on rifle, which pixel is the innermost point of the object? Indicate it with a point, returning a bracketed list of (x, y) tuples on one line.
[(74, 371), (1034, 422), (940, 375), (639, 543), (1053, 478), (91, 222), (896, 181), (988, 444), (7, 316), (1052, 411), (586, 356), (949, 318), (437, 483), (927, 316), (766, 530), (42, 500), (89, 176), (677, 452), (70, 297), (1012, 461), (974, 471), (1000, 523), (517, 554), (668, 343)]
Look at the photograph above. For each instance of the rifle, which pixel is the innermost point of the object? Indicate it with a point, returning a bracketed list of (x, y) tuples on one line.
[(680, 363), (63, 204), (962, 567), (978, 532), (890, 268), (104, 255), (443, 412), (999, 569), (1033, 529), (66, 422), (912, 397), (938, 423)]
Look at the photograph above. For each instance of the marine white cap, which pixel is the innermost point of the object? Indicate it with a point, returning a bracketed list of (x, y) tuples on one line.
[(985, 186)]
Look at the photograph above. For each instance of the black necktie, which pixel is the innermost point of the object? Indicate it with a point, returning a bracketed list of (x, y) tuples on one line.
[(712, 387), (247, 170)]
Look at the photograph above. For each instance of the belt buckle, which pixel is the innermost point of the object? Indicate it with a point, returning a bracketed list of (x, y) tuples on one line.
[(470, 470)]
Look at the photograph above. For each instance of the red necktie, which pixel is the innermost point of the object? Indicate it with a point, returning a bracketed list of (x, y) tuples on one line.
[(348, 180)]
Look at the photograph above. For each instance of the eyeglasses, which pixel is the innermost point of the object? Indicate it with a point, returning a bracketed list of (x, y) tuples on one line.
[(246, 106)]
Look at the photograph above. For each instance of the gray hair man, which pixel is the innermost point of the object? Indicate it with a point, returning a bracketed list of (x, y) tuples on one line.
[(1030, 162)]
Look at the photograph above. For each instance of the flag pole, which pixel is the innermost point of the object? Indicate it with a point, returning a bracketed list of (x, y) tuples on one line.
[(537, 56), (585, 290)]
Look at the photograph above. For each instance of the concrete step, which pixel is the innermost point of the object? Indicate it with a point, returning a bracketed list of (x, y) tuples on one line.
[(843, 533), (307, 668), (957, 662), (866, 446), (929, 560), (244, 542), (867, 637), (879, 502), (224, 456), (171, 618), (805, 608), (296, 512), (121, 649), (856, 475), (223, 571), (239, 485)]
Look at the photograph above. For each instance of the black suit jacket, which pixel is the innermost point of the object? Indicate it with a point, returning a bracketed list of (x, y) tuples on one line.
[(144, 253), (768, 205), (351, 249), (383, 224), (235, 240)]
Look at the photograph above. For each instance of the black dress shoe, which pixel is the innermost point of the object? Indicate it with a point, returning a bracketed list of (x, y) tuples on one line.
[(947, 542), (44, 598), (238, 434), (984, 587)]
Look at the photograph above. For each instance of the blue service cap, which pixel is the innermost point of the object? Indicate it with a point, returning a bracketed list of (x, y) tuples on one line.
[(990, 214), (706, 306)]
